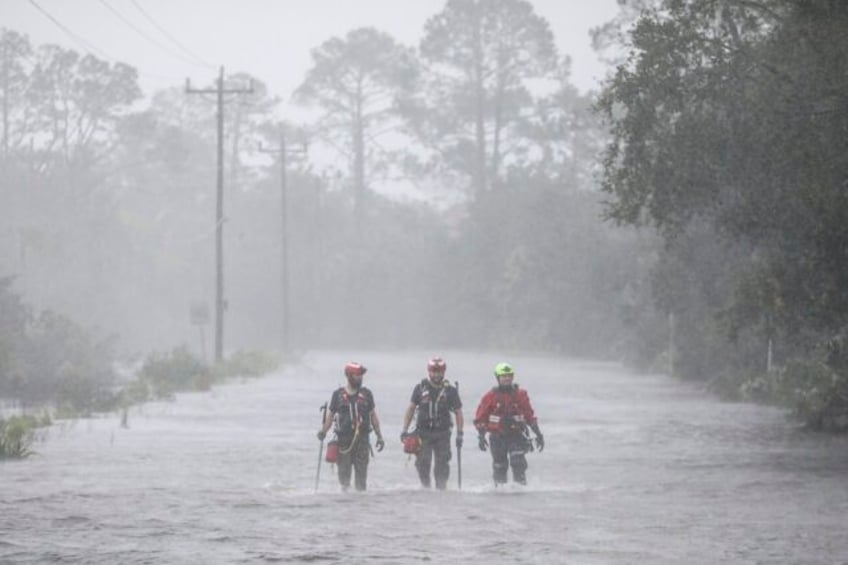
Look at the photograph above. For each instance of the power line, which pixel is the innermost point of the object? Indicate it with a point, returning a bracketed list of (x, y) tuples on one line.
[(85, 44), (170, 37), (89, 47), (145, 35)]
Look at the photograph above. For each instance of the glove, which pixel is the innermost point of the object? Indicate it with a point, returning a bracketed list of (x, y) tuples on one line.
[(459, 440), (540, 442), (482, 443), (380, 444), (403, 436), (322, 434)]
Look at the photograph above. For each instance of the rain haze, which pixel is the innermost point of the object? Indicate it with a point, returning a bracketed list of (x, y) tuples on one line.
[(269, 39), (266, 46), (268, 270)]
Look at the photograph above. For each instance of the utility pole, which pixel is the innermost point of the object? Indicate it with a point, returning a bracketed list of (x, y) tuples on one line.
[(283, 151), (672, 346), (220, 303), (6, 89)]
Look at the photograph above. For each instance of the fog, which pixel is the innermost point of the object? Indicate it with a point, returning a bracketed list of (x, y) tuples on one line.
[(521, 176), (639, 204), (393, 235)]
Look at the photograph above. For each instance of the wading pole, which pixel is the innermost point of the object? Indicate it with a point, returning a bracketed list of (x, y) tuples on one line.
[(323, 410), (458, 455)]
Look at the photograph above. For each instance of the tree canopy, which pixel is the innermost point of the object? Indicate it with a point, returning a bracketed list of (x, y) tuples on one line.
[(481, 58), (728, 123)]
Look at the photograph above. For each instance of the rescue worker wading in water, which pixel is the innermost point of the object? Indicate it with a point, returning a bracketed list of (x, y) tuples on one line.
[(435, 399), (353, 411), (505, 412)]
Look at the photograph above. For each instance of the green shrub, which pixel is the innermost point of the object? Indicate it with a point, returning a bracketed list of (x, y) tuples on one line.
[(743, 385), (164, 374), (136, 391), (17, 435), (247, 364), (67, 366), (174, 372), (816, 393)]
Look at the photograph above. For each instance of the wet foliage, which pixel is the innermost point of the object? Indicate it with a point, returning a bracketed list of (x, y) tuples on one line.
[(728, 122), (164, 374), (18, 434), (47, 359), (175, 371)]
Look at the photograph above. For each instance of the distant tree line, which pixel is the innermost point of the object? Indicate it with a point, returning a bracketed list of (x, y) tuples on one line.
[(729, 123), (111, 200), (108, 209), (724, 169)]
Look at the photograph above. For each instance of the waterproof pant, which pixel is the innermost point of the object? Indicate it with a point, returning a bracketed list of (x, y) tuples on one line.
[(353, 459), (435, 450), (508, 450)]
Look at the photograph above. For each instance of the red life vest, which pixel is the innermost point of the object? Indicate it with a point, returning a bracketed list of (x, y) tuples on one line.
[(504, 411)]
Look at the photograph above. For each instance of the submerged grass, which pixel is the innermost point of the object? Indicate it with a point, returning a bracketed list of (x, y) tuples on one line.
[(17, 434)]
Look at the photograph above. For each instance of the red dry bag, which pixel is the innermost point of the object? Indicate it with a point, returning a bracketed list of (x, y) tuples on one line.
[(412, 444), (332, 452)]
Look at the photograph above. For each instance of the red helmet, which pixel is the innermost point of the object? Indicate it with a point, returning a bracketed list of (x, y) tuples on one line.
[(354, 369), (437, 365)]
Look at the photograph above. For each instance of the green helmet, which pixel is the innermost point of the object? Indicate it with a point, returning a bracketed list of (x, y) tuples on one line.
[(502, 369)]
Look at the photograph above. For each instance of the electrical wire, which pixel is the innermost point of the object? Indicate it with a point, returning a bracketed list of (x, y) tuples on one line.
[(170, 37), (141, 32), (79, 40), (89, 47)]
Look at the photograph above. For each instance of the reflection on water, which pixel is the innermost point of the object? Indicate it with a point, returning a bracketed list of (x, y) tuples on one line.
[(636, 469)]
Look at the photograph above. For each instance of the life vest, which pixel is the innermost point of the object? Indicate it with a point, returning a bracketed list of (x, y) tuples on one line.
[(506, 413), (353, 413), (433, 409)]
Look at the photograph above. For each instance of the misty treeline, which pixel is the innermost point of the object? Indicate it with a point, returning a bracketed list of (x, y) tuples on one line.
[(723, 131), (730, 137), (109, 199)]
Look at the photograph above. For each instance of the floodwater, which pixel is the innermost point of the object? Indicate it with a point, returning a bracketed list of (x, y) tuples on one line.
[(637, 469)]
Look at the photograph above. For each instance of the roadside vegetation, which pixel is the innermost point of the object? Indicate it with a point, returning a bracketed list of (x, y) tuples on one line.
[(18, 434), (52, 367), (728, 123)]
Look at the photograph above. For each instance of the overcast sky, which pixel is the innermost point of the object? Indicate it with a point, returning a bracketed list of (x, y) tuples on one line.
[(166, 40)]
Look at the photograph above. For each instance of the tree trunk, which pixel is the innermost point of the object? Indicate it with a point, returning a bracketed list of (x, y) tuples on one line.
[(479, 168), (498, 111), (358, 160)]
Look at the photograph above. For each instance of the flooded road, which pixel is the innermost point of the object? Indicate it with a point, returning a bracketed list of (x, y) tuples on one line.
[(637, 469)]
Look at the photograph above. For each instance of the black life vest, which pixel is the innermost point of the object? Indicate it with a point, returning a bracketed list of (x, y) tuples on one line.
[(433, 408), (353, 412)]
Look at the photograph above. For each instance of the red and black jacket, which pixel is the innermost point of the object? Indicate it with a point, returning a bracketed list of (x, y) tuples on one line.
[(502, 411)]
